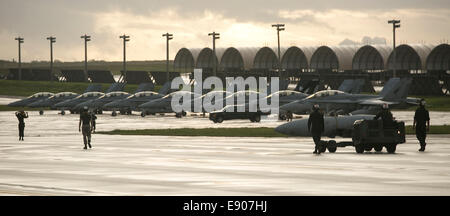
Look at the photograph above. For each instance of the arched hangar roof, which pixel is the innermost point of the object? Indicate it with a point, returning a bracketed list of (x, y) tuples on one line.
[(186, 58), (333, 57), (205, 57), (439, 58), (371, 57), (297, 57), (266, 58), (238, 58), (410, 57)]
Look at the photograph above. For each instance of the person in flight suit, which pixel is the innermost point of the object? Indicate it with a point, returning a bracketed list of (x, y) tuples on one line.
[(385, 115), (86, 120), (20, 116), (316, 127), (421, 124)]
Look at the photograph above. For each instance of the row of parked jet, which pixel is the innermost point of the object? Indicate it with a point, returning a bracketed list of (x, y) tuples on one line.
[(346, 100)]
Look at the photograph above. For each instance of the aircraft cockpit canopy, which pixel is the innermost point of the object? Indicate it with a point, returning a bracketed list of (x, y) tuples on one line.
[(325, 93)]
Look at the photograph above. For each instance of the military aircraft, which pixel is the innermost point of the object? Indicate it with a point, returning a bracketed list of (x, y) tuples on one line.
[(142, 95), (51, 101), (31, 99), (164, 104), (132, 102), (394, 93), (72, 103), (209, 99), (96, 105)]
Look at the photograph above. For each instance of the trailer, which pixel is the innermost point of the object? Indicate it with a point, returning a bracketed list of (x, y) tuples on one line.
[(371, 134)]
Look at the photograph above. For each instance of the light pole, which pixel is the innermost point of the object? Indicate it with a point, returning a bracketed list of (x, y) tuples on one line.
[(20, 41), (52, 40), (125, 39), (280, 27), (395, 24), (214, 37), (86, 39), (168, 37)]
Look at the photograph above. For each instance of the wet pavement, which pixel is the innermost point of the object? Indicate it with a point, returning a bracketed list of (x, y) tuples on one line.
[(51, 161)]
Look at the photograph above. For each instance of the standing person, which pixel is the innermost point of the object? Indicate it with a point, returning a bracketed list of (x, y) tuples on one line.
[(385, 115), (20, 116), (93, 118), (316, 126), (420, 118), (289, 116), (85, 118)]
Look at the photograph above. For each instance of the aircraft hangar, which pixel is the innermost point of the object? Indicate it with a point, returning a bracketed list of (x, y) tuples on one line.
[(428, 64)]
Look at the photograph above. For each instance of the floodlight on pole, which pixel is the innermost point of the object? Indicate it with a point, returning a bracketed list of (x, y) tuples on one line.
[(125, 38), (215, 36), (86, 39), (52, 40), (20, 41), (168, 37), (395, 24), (280, 27)]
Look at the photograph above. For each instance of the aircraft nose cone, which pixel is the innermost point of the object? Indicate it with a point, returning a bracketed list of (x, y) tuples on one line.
[(287, 128)]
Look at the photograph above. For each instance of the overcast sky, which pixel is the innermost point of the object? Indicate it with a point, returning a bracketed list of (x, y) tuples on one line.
[(240, 23)]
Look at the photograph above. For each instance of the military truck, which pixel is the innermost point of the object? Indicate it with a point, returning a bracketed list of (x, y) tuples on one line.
[(371, 134)]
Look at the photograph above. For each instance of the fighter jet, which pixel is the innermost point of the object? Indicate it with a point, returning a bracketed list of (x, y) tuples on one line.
[(209, 99), (164, 104), (31, 99), (131, 103), (337, 102), (72, 103), (96, 105), (51, 101), (241, 97), (284, 97)]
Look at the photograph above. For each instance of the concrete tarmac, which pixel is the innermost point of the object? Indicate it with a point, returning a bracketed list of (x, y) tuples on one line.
[(51, 161)]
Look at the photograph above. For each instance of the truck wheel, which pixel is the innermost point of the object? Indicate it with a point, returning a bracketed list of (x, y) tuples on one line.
[(114, 113), (332, 149), (183, 113), (257, 118), (41, 112), (368, 149), (378, 148), (219, 119), (252, 119), (142, 114), (282, 117), (331, 146), (359, 149), (391, 148), (63, 112)]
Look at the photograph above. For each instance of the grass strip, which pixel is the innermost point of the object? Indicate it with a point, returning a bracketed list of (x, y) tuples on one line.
[(238, 132)]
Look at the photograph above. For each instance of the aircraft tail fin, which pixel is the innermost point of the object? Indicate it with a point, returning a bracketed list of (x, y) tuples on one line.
[(147, 86), (166, 88), (398, 90), (93, 88), (117, 86), (353, 86)]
